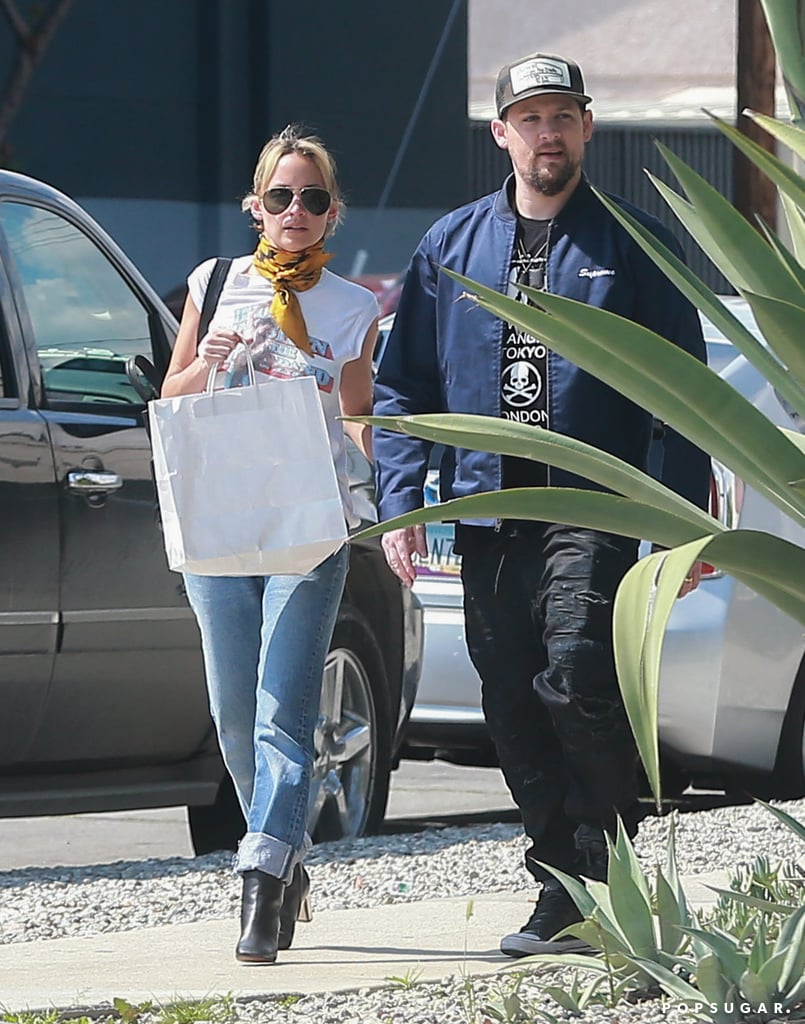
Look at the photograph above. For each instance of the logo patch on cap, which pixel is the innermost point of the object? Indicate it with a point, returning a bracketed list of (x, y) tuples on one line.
[(539, 71)]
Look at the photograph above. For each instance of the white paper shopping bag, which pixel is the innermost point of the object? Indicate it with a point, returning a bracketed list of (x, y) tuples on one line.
[(245, 479)]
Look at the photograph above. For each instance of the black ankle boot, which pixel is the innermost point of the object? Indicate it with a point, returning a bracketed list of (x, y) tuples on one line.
[(295, 905), (259, 918)]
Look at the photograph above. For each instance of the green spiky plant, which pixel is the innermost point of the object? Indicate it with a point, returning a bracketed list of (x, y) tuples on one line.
[(646, 936), (681, 391)]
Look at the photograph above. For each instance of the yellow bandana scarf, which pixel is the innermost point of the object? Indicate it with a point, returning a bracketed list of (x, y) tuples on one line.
[(290, 272)]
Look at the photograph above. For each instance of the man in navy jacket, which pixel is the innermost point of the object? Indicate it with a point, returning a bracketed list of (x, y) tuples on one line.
[(538, 597)]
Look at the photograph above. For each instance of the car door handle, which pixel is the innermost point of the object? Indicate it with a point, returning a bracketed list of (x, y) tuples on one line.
[(88, 481)]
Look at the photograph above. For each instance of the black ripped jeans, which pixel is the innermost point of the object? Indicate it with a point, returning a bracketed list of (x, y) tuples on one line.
[(538, 606)]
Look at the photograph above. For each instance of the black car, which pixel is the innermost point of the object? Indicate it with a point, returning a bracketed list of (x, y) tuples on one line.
[(104, 704)]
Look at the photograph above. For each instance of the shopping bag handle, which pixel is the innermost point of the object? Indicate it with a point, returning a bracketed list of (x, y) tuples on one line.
[(249, 364)]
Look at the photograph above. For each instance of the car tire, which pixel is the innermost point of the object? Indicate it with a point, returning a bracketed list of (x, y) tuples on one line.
[(350, 783), (218, 826), (789, 771)]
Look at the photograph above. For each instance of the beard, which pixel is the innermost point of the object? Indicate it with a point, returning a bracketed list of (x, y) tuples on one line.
[(550, 181)]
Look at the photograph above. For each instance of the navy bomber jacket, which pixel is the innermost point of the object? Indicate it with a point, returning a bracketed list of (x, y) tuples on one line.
[(444, 355)]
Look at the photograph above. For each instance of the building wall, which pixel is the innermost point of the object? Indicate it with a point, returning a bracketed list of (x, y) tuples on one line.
[(152, 115), (634, 53)]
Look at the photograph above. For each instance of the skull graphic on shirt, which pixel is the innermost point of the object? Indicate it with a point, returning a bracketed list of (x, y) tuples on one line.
[(522, 384)]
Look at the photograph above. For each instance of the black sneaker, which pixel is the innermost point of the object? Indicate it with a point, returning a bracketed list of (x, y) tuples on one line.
[(554, 911)]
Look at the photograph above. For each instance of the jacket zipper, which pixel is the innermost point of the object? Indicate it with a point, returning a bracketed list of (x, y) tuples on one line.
[(547, 353)]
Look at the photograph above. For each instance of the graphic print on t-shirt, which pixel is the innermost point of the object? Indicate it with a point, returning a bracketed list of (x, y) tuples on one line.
[(524, 363), (275, 354), (524, 359)]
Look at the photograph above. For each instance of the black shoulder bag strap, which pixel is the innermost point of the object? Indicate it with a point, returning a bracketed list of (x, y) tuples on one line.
[(214, 288)]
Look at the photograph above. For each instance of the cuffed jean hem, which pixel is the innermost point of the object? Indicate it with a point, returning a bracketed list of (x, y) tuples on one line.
[(260, 852)]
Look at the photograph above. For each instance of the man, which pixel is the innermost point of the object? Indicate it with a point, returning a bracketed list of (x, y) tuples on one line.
[(538, 597)]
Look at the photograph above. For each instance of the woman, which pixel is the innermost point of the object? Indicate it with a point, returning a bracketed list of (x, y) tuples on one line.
[(265, 639)]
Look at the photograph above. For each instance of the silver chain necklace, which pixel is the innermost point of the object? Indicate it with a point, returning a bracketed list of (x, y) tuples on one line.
[(531, 265)]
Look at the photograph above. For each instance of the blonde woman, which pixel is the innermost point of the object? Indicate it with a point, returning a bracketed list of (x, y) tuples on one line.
[(265, 639)]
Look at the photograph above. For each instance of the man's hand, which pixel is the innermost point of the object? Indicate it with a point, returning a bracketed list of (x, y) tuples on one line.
[(399, 546), (692, 580)]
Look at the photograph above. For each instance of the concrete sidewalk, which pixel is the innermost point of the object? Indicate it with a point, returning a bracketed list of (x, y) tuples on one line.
[(339, 950)]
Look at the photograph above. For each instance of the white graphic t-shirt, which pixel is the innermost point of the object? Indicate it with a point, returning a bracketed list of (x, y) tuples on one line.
[(338, 314)]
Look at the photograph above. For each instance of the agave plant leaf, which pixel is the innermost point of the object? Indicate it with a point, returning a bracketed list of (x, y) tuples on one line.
[(672, 904), (791, 942), (797, 827), (613, 938), (591, 509), (784, 177), (643, 606), (765, 906), (795, 437), (773, 567), (641, 611), (671, 983), (784, 21), (783, 324), (753, 988), (623, 849), (631, 912), (591, 990), (760, 949), (732, 962), (786, 257), (563, 997), (614, 514), (791, 136), (672, 873), (685, 212), (670, 919), (796, 227), (629, 897), (658, 375), (487, 433), (714, 985), (734, 551), (709, 303), (684, 398), (795, 996), (771, 971), (750, 261)]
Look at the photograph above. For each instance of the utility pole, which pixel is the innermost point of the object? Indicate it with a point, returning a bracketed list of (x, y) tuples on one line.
[(753, 193)]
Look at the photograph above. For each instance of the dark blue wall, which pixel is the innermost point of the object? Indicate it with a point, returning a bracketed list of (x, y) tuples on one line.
[(170, 101)]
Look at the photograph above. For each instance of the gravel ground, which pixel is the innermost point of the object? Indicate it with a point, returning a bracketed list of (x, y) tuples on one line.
[(37, 903)]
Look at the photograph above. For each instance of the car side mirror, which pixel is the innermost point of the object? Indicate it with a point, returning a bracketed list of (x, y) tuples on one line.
[(143, 377)]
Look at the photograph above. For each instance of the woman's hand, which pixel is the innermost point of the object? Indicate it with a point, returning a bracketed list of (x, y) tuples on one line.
[(216, 345), (190, 368)]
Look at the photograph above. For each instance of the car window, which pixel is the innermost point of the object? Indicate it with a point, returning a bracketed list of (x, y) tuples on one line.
[(85, 318)]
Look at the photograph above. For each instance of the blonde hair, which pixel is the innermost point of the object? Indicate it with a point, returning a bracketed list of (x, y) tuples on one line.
[(292, 140)]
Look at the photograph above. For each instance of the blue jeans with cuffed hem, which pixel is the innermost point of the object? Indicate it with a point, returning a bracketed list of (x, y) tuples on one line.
[(265, 640)]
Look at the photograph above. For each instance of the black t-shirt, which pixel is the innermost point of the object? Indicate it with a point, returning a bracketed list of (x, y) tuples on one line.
[(524, 359)]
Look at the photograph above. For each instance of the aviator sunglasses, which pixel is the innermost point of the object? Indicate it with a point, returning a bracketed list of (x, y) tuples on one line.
[(314, 198)]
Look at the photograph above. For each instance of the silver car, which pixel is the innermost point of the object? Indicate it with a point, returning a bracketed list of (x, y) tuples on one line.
[(732, 691)]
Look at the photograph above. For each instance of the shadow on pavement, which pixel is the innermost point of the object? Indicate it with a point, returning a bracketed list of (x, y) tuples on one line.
[(686, 803)]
